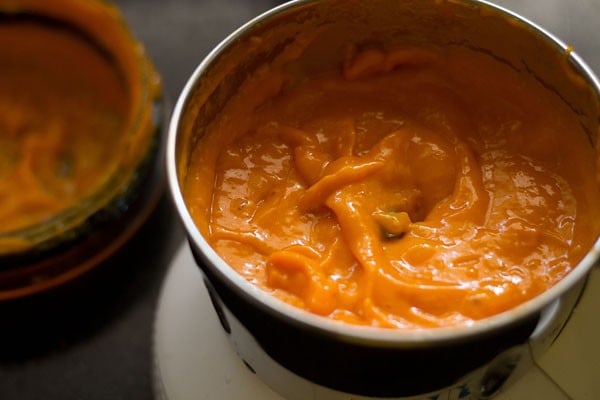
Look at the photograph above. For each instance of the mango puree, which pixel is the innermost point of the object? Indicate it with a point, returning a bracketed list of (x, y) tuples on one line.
[(412, 188), (63, 108)]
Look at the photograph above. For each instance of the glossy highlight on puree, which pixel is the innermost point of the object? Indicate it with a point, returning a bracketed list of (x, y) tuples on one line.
[(412, 187)]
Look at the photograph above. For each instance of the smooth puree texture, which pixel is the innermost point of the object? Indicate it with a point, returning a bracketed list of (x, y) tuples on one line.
[(63, 106), (412, 188)]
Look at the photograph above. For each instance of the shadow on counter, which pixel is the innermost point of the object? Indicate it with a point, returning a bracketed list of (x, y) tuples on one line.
[(62, 317)]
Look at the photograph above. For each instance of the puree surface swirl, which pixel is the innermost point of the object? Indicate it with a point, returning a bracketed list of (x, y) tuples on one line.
[(412, 188)]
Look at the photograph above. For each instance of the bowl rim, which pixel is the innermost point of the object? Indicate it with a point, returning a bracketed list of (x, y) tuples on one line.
[(351, 332)]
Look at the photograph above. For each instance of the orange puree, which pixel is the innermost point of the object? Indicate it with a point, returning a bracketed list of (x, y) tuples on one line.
[(63, 106), (417, 187)]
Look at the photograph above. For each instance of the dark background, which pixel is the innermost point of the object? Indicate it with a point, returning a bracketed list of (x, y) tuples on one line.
[(92, 338)]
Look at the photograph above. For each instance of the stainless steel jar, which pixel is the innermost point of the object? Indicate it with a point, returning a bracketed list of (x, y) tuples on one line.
[(305, 356)]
